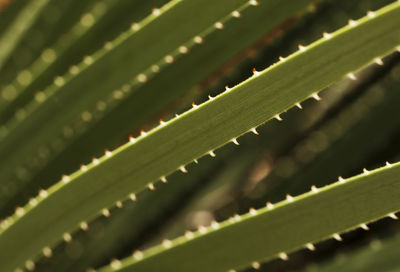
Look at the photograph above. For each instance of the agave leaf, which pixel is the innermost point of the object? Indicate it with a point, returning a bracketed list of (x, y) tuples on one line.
[(269, 232), (150, 211), (96, 26), (198, 132), (345, 133), (122, 51), (136, 109)]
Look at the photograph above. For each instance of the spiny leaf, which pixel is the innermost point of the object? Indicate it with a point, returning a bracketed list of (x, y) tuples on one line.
[(136, 109), (344, 134), (264, 234), (273, 189), (55, 21), (86, 35), (122, 50), (194, 134), (29, 75), (151, 210)]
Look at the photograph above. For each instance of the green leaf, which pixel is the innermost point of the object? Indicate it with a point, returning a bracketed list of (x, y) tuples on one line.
[(269, 233), (169, 147), (379, 255), (138, 108), (54, 20), (84, 37), (25, 18), (342, 134), (116, 55)]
